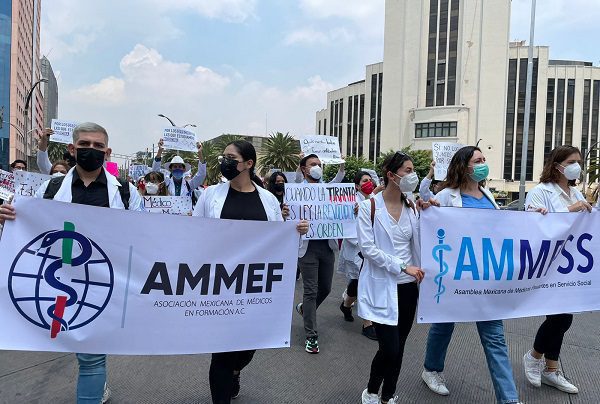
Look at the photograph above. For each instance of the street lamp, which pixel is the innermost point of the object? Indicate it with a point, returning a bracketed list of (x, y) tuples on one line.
[(26, 114), (189, 124), (168, 119)]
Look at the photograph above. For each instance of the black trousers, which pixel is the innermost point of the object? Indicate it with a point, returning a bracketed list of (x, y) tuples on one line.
[(386, 365), (220, 375), (549, 337), (352, 288)]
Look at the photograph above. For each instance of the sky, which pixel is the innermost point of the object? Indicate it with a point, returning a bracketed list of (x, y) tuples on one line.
[(239, 66)]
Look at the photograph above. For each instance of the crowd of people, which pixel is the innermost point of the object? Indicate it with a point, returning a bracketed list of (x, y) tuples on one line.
[(382, 264)]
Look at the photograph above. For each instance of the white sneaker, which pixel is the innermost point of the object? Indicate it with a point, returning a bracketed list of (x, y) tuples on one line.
[(436, 383), (393, 400), (106, 395), (556, 379), (368, 398), (533, 369)]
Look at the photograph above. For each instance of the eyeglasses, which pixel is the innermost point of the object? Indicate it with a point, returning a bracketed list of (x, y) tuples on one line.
[(221, 158)]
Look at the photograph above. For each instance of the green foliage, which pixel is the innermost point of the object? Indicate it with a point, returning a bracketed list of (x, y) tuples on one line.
[(211, 150), (56, 151), (421, 160), (353, 164), (280, 151)]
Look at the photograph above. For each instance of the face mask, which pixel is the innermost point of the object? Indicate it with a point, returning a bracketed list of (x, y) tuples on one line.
[(367, 188), (408, 183), (58, 174), (480, 172), (279, 187), (89, 159), (316, 172), (177, 173), (151, 188), (572, 172), (229, 168)]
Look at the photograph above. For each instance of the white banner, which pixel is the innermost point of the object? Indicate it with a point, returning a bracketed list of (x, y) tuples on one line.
[(26, 183), (172, 205), (7, 185), (442, 155), (488, 265), (97, 280), (329, 209), (63, 131), (326, 147), (179, 139)]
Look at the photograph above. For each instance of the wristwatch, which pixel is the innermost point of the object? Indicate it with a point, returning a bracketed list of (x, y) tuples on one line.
[(403, 267)]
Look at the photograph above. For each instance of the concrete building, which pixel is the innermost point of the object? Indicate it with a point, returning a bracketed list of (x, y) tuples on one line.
[(50, 92), (19, 70), (451, 74)]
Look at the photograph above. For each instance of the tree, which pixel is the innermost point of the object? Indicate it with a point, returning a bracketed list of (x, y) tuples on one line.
[(211, 151), (353, 165), (56, 151), (421, 160), (280, 151)]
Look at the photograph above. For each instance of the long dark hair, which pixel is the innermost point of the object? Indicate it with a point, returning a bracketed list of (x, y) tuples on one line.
[(393, 163), (157, 176), (273, 179), (358, 176), (550, 173), (458, 170), (248, 152)]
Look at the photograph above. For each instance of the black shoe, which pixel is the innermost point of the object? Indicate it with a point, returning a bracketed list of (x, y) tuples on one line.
[(369, 332), (235, 389), (347, 312)]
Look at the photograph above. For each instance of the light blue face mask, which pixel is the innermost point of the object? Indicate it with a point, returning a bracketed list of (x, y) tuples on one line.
[(177, 174), (480, 172)]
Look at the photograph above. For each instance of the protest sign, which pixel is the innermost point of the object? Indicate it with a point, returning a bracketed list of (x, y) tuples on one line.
[(112, 168), (530, 265), (63, 131), (326, 147), (27, 183), (83, 280), (179, 139), (172, 205), (7, 185), (138, 170), (442, 154), (329, 209)]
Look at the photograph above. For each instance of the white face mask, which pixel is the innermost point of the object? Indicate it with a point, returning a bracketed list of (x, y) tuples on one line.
[(408, 182), (58, 174), (151, 188), (316, 172), (572, 171)]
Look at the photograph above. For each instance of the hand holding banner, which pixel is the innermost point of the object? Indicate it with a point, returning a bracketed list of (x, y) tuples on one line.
[(442, 155), (179, 139), (63, 131), (326, 147)]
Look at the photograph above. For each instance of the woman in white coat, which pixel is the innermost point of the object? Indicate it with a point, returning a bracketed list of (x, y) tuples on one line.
[(556, 192), (388, 236), (241, 198)]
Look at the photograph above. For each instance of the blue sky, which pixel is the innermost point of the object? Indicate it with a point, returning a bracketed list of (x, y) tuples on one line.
[(238, 66)]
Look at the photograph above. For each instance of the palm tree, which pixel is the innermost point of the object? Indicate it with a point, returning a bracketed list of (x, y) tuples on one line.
[(280, 151), (211, 150), (56, 151)]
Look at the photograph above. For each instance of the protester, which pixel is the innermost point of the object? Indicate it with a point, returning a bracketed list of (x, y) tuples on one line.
[(556, 192), (388, 235), (276, 185), (43, 161), (60, 167), (464, 188), (177, 167), (316, 261), (154, 185), (427, 182), (241, 198), (18, 165), (350, 262), (88, 184)]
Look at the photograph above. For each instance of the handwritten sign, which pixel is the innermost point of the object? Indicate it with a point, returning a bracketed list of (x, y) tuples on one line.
[(26, 183), (63, 131), (138, 170), (329, 208), (7, 185), (179, 139), (442, 154), (326, 147), (172, 205)]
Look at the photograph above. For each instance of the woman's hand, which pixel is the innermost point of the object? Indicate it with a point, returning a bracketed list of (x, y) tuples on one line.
[(431, 170), (7, 212), (302, 227), (580, 206), (543, 211), (422, 205), (415, 272)]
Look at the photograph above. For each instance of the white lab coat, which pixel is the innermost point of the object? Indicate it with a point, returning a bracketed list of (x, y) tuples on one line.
[(546, 195), (43, 162), (349, 262), (194, 183), (114, 196), (424, 191), (451, 197), (381, 271)]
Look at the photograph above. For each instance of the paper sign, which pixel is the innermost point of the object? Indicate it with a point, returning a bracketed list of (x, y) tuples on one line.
[(172, 205), (138, 170), (63, 131), (26, 183), (179, 139), (112, 168), (442, 154), (326, 147), (7, 185), (329, 209), (373, 175)]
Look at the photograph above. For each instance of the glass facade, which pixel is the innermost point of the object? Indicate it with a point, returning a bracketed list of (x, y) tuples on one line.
[(585, 123), (521, 120), (435, 129), (349, 128), (569, 112), (379, 99), (355, 120), (549, 116), (560, 113), (5, 41), (361, 125), (372, 117), (431, 53), (595, 111), (509, 136)]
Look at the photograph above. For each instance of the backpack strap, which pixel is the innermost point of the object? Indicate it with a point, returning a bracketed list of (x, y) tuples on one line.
[(53, 187), (124, 192), (372, 212)]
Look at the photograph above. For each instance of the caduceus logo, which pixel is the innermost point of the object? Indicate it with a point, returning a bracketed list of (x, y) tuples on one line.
[(438, 255), (61, 280)]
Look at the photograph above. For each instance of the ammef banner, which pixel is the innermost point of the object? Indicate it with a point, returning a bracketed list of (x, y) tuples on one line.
[(98, 280), (485, 264)]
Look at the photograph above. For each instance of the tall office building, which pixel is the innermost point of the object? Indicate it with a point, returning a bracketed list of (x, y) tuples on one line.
[(19, 70), (50, 92)]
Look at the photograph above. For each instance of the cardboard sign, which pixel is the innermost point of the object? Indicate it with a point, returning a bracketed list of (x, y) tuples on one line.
[(442, 155), (63, 131), (26, 183), (138, 170), (179, 139), (7, 185), (326, 147), (171, 205)]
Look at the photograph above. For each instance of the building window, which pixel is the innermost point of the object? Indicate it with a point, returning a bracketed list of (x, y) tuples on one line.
[(355, 120), (361, 125), (452, 52), (349, 128), (435, 129), (331, 121), (549, 117), (585, 125), (432, 52), (595, 112), (340, 123), (521, 120), (325, 126), (569, 112), (560, 113), (379, 99), (373, 117), (509, 136)]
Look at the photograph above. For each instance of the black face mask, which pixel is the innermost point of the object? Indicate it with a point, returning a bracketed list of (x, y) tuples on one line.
[(90, 159), (279, 187), (229, 168)]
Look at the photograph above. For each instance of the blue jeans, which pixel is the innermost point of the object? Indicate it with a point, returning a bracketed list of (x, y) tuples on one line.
[(491, 334), (92, 376)]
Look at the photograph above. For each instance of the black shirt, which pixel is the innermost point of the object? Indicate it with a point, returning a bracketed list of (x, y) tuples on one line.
[(243, 206), (95, 194)]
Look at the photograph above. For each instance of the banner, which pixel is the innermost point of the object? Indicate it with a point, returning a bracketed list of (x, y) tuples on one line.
[(485, 264), (27, 183), (326, 147), (179, 139), (97, 280), (138, 170), (329, 209), (442, 155), (63, 131), (7, 185), (172, 205)]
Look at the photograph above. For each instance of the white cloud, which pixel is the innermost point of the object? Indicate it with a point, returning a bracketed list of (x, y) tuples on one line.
[(227, 10), (310, 36), (110, 90), (358, 10)]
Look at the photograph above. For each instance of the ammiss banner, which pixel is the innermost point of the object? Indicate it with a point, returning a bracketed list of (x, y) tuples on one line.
[(489, 265), (99, 280)]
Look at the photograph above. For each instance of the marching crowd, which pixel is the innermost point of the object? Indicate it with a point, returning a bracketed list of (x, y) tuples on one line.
[(382, 264)]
